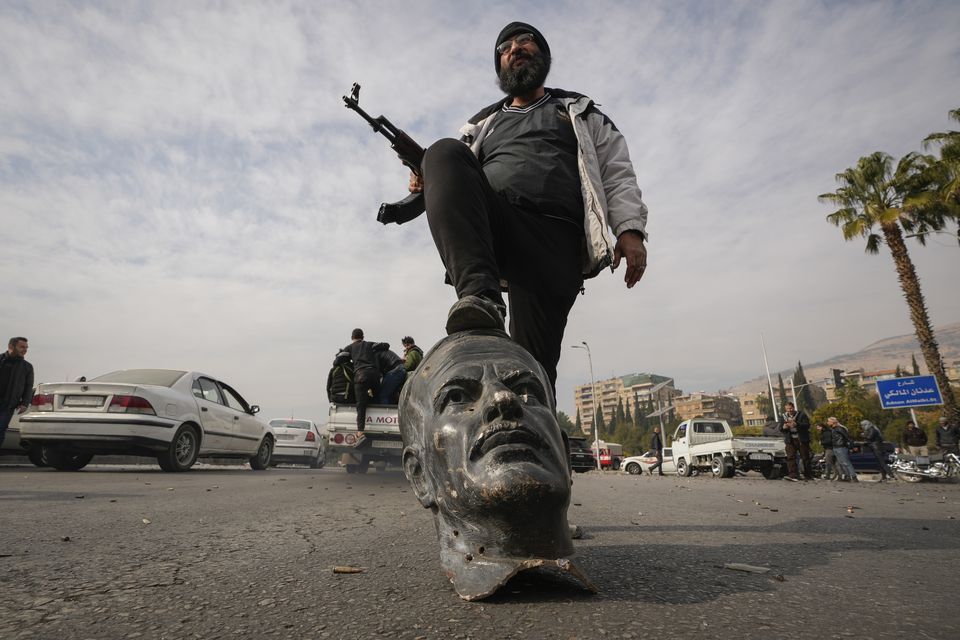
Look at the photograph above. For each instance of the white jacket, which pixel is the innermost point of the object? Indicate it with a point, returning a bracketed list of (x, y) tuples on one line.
[(611, 195)]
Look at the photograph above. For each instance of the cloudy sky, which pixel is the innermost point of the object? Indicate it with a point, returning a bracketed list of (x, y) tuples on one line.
[(181, 186)]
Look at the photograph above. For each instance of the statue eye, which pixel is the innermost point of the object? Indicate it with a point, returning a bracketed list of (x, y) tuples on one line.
[(456, 395), (529, 392)]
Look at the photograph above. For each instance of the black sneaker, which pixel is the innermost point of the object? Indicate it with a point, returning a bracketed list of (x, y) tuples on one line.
[(474, 312)]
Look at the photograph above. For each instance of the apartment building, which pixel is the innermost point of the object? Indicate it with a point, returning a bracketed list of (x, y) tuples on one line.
[(750, 409), (707, 405), (633, 390)]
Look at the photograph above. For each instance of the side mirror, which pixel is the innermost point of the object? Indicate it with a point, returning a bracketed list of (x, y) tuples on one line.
[(254, 409)]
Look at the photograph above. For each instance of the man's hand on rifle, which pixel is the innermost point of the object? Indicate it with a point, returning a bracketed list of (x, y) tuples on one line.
[(416, 183)]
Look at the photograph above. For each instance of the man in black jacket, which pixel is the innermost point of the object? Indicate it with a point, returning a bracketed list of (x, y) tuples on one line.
[(948, 437), (874, 440), (16, 382), (795, 426), (392, 372), (656, 443), (915, 440), (366, 374), (829, 458), (526, 197)]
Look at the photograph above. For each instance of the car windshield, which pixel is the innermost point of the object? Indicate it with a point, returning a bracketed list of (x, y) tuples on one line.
[(156, 377), (290, 424)]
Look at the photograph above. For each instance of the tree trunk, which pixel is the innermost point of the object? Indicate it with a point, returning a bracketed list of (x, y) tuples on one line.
[(918, 314)]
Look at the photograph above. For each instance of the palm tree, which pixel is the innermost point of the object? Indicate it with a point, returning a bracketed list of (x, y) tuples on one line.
[(944, 199), (872, 197)]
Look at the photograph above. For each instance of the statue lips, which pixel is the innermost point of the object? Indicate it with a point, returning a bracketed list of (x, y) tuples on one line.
[(505, 434)]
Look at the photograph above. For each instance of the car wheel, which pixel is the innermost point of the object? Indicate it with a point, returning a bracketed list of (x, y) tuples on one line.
[(261, 460), (66, 458), (683, 469), (182, 452), (729, 470), (633, 469), (37, 454), (716, 467)]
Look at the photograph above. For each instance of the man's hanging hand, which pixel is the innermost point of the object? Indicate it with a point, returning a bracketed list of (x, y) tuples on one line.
[(630, 246)]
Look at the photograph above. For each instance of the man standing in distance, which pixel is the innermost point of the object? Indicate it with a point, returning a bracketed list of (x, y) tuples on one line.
[(656, 443), (528, 200), (16, 382), (795, 426)]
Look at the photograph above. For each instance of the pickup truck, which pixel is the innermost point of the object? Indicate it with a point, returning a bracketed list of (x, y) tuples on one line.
[(382, 442), (706, 444)]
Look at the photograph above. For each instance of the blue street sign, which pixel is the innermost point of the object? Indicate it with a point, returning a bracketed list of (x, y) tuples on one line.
[(902, 393)]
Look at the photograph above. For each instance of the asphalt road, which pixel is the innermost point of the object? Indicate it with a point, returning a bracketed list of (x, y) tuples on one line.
[(127, 552)]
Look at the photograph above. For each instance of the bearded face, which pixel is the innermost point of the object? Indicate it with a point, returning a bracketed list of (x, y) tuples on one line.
[(524, 72)]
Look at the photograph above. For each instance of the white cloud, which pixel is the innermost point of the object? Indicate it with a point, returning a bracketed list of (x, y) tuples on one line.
[(182, 186)]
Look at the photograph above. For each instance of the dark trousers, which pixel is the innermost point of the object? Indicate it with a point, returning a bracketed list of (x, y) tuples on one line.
[(483, 239), (794, 447), (366, 384), (6, 415), (885, 471), (658, 466)]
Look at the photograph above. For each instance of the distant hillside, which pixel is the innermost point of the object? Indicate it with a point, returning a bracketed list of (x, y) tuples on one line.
[(883, 354)]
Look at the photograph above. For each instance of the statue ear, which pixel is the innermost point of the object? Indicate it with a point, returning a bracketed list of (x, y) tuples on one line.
[(413, 469)]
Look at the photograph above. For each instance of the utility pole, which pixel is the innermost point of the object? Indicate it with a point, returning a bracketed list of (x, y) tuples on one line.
[(596, 403)]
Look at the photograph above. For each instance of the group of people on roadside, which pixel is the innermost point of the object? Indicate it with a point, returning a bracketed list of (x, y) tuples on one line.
[(365, 373), (836, 441), (914, 439)]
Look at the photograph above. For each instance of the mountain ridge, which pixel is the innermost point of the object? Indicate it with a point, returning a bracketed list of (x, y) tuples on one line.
[(885, 353)]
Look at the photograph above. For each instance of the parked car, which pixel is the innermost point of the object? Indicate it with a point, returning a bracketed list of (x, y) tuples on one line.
[(581, 455), (611, 455), (174, 416), (861, 455), (298, 442), (636, 465), (10, 446)]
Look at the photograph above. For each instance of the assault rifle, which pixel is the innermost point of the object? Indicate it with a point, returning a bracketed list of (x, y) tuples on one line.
[(410, 153)]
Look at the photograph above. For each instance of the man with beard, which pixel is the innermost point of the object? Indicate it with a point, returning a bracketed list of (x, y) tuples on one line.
[(527, 200)]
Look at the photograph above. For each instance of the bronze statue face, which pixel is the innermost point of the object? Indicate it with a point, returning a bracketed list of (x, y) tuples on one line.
[(489, 432), (482, 450)]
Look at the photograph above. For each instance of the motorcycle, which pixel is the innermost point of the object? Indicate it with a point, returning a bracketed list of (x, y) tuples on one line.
[(917, 468)]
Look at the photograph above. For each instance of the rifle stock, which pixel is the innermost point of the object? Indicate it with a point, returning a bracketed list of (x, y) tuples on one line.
[(409, 152)]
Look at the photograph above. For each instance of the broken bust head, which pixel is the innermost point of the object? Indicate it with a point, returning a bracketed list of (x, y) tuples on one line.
[(483, 451)]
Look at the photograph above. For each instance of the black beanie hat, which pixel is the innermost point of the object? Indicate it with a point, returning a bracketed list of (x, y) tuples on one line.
[(515, 28)]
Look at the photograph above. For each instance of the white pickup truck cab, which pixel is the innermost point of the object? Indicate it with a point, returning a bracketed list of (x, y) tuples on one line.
[(382, 442), (708, 444)]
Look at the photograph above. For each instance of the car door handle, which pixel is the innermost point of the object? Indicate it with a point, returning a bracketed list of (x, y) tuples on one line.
[(203, 408), (236, 417)]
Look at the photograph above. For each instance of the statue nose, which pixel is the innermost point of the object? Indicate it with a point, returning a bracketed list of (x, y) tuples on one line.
[(504, 404)]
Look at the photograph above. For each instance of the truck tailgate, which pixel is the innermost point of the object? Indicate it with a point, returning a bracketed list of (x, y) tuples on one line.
[(769, 445)]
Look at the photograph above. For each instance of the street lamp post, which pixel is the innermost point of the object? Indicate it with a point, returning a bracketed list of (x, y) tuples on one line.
[(596, 402), (659, 409)]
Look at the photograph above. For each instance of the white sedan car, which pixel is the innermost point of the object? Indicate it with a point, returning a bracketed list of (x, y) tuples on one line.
[(635, 465), (174, 416), (299, 442)]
